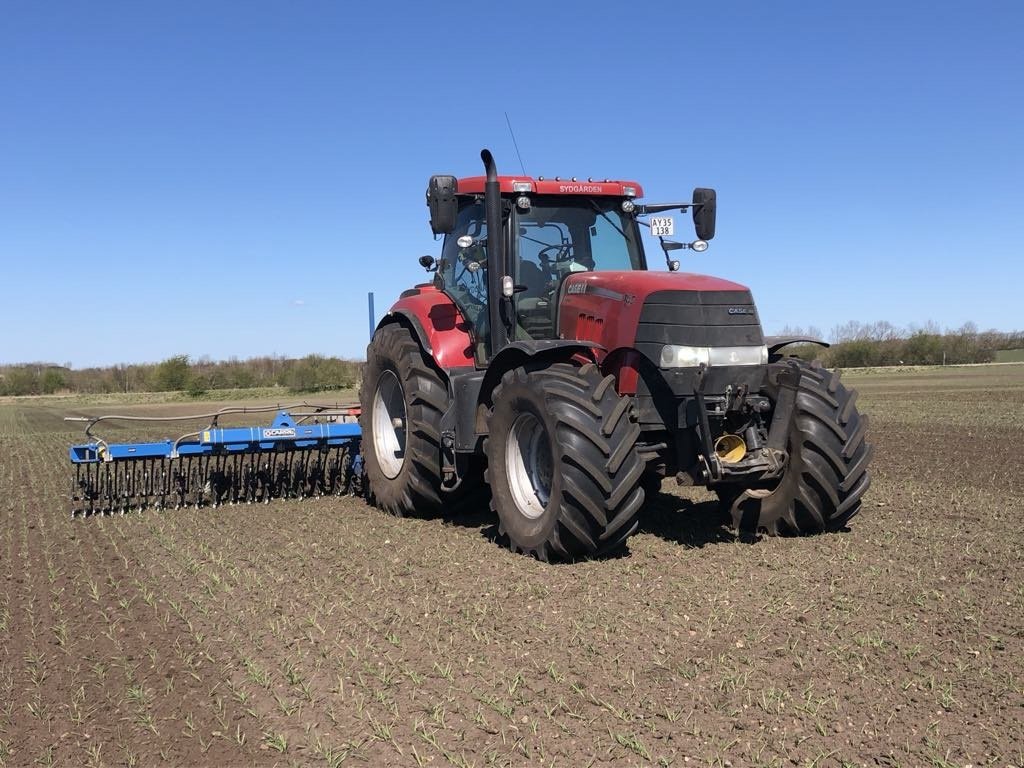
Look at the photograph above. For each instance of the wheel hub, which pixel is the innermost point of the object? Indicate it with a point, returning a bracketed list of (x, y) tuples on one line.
[(529, 465), (389, 424)]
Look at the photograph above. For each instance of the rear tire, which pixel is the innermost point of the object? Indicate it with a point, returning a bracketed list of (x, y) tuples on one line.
[(402, 398), (827, 475), (563, 465)]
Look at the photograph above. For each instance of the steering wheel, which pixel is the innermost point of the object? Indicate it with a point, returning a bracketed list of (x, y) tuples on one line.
[(563, 252)]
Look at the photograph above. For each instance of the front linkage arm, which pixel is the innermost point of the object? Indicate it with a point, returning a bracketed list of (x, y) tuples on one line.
[(764, 463)]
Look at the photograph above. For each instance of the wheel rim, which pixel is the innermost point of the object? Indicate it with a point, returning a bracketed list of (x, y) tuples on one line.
[(529, 465), (389, 424)]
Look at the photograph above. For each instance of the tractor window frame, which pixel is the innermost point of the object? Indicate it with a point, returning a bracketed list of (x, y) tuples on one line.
[(451, 272), (533, 324)]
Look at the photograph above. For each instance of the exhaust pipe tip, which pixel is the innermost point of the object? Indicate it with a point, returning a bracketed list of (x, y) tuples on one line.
[(490, 168)]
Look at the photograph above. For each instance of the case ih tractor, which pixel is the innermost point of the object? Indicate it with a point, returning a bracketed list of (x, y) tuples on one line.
[(546, 361)]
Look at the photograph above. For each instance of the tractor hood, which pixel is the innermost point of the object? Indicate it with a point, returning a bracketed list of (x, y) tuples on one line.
[(647, 310), (639, 284)]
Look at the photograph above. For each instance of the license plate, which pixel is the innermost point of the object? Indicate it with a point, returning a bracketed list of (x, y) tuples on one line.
[(663, 226)]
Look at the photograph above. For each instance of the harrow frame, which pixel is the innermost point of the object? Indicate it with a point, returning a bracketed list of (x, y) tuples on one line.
[(310, 452)]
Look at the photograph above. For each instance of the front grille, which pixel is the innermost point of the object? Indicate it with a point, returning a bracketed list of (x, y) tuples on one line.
[(697, 319)]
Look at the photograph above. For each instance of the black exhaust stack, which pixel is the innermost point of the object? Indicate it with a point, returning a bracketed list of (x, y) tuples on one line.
[(495, 254)]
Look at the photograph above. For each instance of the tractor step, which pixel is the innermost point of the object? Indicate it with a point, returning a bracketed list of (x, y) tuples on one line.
[(310, 453)]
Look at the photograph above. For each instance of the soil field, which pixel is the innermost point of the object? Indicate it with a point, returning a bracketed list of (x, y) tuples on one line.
[(326, 633)]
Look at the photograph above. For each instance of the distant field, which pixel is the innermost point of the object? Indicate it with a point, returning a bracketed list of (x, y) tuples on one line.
[(326, 633), (1010, 356)]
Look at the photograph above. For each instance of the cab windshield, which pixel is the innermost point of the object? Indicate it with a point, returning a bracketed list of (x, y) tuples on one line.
[(561, 236), (557, 235)]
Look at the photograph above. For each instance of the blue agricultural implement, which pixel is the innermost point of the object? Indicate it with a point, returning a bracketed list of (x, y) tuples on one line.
[(308, 450)]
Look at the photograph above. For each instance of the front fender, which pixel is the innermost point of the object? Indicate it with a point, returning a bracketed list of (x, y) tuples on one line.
[(543, 351), (775, 343)]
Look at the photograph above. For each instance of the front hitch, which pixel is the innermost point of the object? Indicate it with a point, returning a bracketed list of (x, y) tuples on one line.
[(712, 464), (762, 463)]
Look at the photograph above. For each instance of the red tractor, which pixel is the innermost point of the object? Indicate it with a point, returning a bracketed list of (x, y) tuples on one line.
[(546, 361)]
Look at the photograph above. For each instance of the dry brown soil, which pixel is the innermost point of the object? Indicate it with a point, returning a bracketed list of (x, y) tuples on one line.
[(325, 633)]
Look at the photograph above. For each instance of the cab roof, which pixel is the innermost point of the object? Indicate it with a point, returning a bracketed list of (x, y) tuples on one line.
[(474, 185)]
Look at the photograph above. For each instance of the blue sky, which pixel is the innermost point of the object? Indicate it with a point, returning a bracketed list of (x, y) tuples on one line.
[(230, 179)]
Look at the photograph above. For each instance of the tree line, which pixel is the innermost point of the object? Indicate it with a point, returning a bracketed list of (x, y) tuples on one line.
[(860, 345), (313, 373), (854, 345)]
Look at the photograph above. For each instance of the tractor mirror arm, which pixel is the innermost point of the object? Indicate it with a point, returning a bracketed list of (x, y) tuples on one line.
[(704, 206), (642, 210)]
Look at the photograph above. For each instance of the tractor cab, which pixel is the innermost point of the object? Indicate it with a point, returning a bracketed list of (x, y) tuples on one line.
[(513, 243), (555, 236)]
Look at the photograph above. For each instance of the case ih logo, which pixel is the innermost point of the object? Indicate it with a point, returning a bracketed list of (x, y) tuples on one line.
[(741, 310)]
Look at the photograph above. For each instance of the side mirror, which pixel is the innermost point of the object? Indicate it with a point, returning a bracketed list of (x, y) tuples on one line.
[(704, 212), (427, 262), (444, 206)]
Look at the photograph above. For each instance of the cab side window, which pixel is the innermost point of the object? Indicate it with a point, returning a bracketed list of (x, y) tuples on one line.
[(463, 269)]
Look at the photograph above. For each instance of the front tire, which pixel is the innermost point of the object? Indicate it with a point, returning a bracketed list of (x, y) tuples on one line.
[(827, 475), (563, 465), (402, 398)]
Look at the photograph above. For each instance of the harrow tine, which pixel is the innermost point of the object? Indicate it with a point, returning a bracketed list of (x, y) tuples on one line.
[(123, 481), (281, 476), (299, 476), (236, 477), (180, 485), (91, 480), (78, 492), (252, 481), (149, 497), (108, 496), (165, 487), (198, 480)]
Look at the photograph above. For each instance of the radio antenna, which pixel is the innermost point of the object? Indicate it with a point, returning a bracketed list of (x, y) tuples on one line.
[(515, 144)]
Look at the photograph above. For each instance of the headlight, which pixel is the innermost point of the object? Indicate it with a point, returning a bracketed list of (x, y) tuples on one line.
[(676, 356), (673, 356)]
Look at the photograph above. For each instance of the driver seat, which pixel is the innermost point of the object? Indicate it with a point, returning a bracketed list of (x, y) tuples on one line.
[(532, 305), (532, 277)]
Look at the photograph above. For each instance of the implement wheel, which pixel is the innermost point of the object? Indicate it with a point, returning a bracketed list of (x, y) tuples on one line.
[(827, 475), (562, 462), (402, 399)]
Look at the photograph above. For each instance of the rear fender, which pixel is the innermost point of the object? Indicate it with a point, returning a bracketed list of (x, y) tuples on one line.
[(437, 324)]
